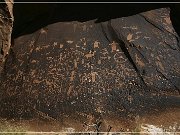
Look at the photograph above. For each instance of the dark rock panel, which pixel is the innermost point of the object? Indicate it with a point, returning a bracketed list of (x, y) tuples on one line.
[(85, 73)]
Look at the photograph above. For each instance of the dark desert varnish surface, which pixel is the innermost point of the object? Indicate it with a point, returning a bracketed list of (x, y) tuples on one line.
[(122, 73)]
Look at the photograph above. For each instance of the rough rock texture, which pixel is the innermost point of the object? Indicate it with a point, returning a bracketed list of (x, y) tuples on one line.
[(106, 73), (6, 22)]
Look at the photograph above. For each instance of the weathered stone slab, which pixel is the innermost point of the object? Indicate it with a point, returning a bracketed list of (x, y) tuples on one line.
[(108, 73)]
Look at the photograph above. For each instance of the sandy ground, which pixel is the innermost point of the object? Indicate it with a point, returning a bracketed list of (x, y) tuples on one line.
[(167, 122)]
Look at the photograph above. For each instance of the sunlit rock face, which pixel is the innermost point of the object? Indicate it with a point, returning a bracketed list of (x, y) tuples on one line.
[(6, 22), (88, 73)]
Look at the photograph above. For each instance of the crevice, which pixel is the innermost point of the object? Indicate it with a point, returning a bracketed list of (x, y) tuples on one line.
[(125, 50), (161, 29), (158, 70), (104, 33), (157, 26), (169, 80)]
